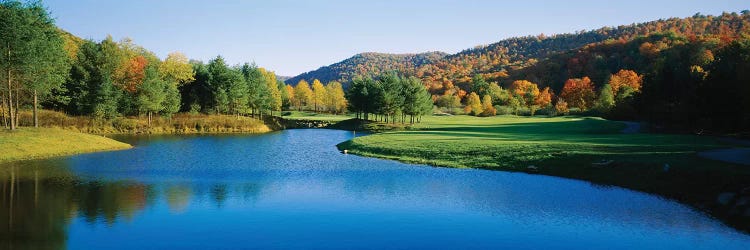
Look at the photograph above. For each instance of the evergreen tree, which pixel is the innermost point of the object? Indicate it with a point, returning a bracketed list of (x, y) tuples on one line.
[(32, 57)]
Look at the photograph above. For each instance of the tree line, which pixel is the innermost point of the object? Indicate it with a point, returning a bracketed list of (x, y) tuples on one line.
[(318, 97), (43, 66), (389, 98), (690, 83)]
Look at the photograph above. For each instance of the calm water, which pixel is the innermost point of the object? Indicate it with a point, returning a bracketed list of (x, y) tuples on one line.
[(292, 189)]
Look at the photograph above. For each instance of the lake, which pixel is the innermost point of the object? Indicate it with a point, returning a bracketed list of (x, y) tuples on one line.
[(293, 189)]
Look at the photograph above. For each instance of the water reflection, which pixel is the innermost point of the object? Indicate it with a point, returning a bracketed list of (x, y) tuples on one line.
[(293, 189)]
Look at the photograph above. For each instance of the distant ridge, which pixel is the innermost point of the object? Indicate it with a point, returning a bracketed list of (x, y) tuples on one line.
[(496, 61), (368, 63)]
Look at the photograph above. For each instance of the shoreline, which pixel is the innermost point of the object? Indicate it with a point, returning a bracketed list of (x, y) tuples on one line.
[(590, 150), (41, 143), (698, 202)]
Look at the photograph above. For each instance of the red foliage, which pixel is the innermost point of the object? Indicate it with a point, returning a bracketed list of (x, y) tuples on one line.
[(131, 74), (579, 92)]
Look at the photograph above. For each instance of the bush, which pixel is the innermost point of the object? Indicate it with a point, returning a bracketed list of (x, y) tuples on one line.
[(503, 110), (125, 124)]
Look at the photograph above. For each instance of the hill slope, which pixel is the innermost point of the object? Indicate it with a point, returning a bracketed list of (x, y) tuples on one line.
[(369, 63), (442, 72)]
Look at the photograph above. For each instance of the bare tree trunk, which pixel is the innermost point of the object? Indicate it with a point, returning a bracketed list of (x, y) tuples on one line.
[(2, 111), (10, 102), (18, 106), (36, 117)]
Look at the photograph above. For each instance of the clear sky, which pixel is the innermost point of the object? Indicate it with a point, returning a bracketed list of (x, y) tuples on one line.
[(291, 37)]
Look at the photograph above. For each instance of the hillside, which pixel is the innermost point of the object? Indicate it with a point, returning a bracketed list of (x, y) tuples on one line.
[(511, 54), (494, 61), (369, 63)]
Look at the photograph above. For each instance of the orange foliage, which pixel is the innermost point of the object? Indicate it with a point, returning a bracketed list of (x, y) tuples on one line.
[(131, 73), (527, 90), (579, 92), (544, 98), (625, 78)]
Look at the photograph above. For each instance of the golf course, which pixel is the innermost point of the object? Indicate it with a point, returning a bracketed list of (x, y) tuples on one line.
[(584, 148)]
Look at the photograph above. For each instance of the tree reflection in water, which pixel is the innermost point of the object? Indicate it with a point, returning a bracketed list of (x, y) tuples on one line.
[(40, 199)]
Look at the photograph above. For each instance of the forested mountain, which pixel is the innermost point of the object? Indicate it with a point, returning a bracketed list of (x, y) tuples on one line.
[(684, 73), (369, 64), (690, 73), (442, 72), (492, 61)]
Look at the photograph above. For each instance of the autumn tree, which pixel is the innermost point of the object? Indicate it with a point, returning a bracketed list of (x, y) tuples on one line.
[(561, 107), (449, 101), (318, 94), (625, 78), (499, 95), (335, 97), (526, 90), (473, 104), (291, 99), (487, 108), (176, 69), (131, 70), (544, 99), (272, 92), (579, 93), (302, 94)]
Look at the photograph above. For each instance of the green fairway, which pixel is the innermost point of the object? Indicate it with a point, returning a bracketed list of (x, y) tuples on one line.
[(35, 143), (570, 147), (508, 141)]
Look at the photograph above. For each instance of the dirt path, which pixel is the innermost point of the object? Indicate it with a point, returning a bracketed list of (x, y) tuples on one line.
[(731, 155)]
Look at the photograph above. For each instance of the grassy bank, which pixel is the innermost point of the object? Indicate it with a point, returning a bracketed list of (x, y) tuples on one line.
[(568, 147), (177, 124), (31, 143)]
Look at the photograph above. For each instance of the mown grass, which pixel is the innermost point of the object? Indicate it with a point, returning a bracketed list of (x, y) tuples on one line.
[(182, 123), (35, 143), (567, 147), (510, 141)]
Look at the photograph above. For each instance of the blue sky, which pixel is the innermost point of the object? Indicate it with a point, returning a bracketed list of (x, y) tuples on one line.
[(291, 37)]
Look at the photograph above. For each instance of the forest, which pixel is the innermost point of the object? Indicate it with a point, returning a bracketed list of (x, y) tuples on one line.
[(371, 64), (686, 74), (681, 74), (45, 67)]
